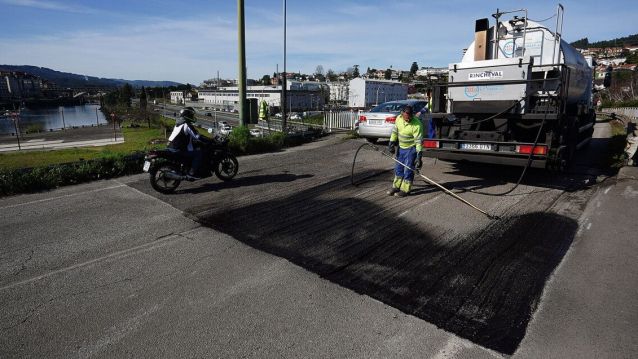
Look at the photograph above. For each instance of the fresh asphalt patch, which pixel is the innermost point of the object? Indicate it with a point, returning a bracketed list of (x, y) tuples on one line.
[(483, 285)]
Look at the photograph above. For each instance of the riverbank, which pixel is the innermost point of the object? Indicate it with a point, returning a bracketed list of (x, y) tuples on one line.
[(43, 103), (72, 137), (135, 139)]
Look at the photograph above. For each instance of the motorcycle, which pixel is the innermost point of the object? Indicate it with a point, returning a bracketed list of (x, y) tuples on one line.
[(167, 168)]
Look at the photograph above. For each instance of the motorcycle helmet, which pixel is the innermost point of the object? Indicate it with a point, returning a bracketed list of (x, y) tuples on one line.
[(188, 114)]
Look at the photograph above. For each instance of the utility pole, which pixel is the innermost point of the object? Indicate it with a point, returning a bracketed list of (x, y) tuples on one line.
[(216, 90), (241, 81), (283, 83)]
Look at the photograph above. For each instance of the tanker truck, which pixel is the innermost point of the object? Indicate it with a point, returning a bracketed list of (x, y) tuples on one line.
[(520, 94)]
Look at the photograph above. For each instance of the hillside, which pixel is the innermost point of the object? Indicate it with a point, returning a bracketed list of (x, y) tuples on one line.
[(66, 79), (631, 40)]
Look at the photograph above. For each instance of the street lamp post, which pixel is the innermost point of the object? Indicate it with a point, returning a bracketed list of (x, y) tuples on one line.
[(114, 131), (16, 117), (63, 123)]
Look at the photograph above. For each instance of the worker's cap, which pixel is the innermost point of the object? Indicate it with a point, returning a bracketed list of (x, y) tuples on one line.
[(407, 109)]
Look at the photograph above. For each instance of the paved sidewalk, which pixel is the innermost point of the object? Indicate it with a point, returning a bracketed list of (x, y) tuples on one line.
[(590, 307), (72, 137)]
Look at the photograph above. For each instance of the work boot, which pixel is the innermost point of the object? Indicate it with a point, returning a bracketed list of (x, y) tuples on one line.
[(401, 194), (392, 191)]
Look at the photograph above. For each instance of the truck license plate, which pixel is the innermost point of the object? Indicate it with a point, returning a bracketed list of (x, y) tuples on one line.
[(147, 165), (476, 146)]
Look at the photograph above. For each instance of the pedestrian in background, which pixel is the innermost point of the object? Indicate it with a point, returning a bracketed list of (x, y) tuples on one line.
[(426, 118)]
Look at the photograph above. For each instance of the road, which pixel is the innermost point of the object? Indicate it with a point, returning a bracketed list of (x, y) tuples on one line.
[(206, 121), (289, 259)]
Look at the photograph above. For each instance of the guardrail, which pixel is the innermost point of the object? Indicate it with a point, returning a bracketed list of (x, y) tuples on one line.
[(631, 112), (340, 120)]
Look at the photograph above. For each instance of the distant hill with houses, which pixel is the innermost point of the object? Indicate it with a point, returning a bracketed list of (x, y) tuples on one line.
[(70, 80), (631, 40)]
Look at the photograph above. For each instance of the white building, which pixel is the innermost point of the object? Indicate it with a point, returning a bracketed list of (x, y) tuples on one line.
[(365, 93), (301, 96), (338, 91), (178, 97), (432, 71)]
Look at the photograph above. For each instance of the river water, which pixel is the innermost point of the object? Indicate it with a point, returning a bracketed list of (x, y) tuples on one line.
[(54, 118)]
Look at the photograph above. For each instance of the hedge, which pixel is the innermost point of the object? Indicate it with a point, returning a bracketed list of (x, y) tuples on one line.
[(23, 180)]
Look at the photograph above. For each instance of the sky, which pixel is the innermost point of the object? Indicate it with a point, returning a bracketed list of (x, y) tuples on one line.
[(191, 40)]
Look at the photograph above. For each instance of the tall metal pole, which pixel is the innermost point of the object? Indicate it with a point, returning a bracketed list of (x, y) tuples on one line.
[(241, 81), (283, 83), (97, 119), (15, 124), (216, 90), (63, 124)]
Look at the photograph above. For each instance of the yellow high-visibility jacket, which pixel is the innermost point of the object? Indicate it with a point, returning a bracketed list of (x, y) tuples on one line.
[(263, 110), (409, 133)]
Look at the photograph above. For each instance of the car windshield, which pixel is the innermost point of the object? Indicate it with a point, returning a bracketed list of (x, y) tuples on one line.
[(389, 107)]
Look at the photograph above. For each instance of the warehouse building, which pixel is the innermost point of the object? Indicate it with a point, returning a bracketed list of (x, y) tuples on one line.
[(365, 93), (300, 96)]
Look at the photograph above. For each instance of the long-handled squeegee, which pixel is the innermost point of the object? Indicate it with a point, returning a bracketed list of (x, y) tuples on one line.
[(425, 178)]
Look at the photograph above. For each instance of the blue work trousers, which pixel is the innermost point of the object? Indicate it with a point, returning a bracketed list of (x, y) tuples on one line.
[(406, 156)]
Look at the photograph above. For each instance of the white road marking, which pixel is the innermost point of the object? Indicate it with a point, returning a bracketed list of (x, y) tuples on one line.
[(60, 197), (155, 244)]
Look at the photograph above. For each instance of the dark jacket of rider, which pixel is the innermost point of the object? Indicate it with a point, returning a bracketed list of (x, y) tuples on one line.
[(182, 138)]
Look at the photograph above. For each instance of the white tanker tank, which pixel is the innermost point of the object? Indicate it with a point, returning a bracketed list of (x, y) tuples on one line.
[(519, 88)]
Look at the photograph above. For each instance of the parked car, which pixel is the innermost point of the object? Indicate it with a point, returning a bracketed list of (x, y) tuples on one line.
[(225, 130), (378, 122), (295, 116), (278, 115), (256, 132)]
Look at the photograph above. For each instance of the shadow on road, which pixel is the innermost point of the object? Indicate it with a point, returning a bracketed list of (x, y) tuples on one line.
[(243, 182), (483, 286)]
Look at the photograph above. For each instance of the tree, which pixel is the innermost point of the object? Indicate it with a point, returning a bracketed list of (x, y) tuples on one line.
[(331, 75), (125, 95), (632, 58), (581, 44), (143, 99), (413, 68), (319, 70), (388, 74), (355, 72), (265, 80)]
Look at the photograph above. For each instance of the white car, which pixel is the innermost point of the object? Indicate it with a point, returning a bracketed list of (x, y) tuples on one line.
[(378, 122), (225, 130), (296, 116), (256, 132)]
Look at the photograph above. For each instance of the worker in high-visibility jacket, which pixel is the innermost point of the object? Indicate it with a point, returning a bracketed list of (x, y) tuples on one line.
[(263, 110), (408, 130), (426, 118)]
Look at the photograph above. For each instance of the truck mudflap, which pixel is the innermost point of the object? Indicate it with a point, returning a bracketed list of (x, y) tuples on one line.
[(504, 153)]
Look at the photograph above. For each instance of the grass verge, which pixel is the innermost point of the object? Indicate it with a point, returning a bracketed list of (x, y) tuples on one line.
[(617, 144), (30, 171)]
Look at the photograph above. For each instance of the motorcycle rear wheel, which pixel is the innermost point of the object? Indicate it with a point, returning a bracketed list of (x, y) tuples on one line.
[(160, 182), (227, 168)]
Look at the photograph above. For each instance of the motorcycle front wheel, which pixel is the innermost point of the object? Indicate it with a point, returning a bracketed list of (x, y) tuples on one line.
[(227, 167), (160, 182)]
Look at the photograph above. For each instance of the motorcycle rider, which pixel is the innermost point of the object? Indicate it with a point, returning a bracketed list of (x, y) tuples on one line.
[(184, 139)]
